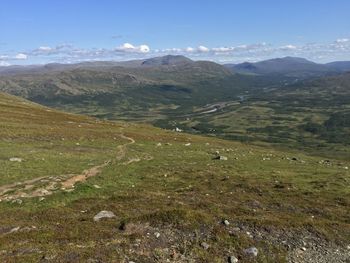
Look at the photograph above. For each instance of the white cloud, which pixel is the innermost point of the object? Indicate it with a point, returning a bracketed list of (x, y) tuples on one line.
[(342, 40), (338, 49), (144, 48), (173, 50), (3, 57), (45, 48), (4, 63), (203, 49), (222, 49), (21, 56), (127, 47), (288, 47)]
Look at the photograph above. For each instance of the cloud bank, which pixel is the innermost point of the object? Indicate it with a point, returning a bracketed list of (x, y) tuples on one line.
[(338, 49)]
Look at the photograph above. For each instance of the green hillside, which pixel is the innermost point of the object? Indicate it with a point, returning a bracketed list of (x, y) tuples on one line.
[(169, 192)]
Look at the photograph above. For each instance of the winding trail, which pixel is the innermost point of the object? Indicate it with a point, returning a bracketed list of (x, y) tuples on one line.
[(47, 185)]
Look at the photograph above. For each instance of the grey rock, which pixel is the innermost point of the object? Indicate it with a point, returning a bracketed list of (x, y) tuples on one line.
[(205, 245), (232, 259), (103, 214), (252, 251), (226, 222)]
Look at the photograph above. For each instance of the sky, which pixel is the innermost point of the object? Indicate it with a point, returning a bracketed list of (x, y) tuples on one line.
[(224, 31)]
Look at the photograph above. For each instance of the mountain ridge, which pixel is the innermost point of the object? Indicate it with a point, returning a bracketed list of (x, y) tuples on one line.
[(292, 66), (272, 65)]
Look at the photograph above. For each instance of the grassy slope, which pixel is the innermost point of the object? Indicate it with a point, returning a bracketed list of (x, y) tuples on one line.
[(174, 189)]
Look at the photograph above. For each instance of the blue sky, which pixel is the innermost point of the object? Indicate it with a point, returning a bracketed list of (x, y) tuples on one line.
[(38, 31)]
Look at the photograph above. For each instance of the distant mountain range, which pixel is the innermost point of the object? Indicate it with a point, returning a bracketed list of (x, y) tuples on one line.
[(169, 60), (291, 66)]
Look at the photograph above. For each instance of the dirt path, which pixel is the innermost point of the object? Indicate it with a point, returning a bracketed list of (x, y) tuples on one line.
[(47, 185)]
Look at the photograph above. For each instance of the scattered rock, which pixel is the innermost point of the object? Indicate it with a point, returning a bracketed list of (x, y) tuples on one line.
[(226, 222), (157, 234), (236, 229), (103, 214), (325, 162), (249, 234), (15, 159), (178, 129), (97, 186), (205, 245), (187, 144), (232, 259), (220, 157), (159, 144), (17, 201), (252, 251)]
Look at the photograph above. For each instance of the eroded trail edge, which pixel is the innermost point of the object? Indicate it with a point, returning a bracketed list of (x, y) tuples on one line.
[(47, 185)]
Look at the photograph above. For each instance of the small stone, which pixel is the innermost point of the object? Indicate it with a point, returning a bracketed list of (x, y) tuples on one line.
[(103, 214), (249, 234), (15, 159), (97, 186), (220, 157), (303, 248), (41, 199), (157, 234), (226, 223), (252, 251), (232, 259), (187, 144), (205, 245)]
